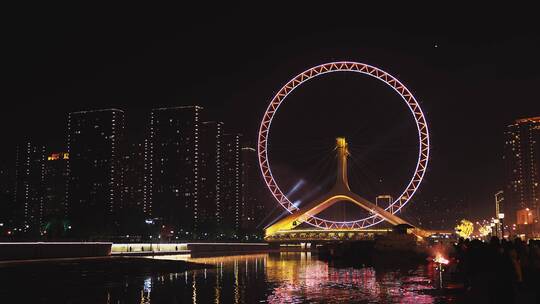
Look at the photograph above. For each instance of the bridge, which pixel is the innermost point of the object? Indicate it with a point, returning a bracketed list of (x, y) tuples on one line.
[(285, 229), (329, 235)]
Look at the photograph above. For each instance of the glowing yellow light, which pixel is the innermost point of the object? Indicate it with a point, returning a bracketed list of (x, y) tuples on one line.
[(341, 142), (53, 156), (57, 156), (484, 230), (465, 228)]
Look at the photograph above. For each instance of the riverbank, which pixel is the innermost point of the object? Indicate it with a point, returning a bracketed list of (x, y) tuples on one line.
[(110, 266), (141, 249), (49, 250)]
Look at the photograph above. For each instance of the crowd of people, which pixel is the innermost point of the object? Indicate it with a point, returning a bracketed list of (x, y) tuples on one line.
[(499, 271)]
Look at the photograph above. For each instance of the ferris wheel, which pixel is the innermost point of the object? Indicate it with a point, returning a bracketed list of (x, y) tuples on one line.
[(355, 67)]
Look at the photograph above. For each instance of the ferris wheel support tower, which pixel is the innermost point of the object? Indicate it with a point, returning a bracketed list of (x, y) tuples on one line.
[(340, 192)]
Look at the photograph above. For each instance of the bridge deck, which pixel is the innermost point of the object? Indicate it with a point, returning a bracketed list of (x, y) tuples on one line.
[(313, 235)]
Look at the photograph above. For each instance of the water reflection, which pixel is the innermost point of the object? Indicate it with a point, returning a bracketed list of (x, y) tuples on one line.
[(287, 277), (295, 277), (145, 293)]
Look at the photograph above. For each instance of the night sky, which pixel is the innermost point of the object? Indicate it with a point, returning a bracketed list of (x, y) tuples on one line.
[(472, 76)]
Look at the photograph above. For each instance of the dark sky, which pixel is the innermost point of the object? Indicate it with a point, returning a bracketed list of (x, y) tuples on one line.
[(472, 75)]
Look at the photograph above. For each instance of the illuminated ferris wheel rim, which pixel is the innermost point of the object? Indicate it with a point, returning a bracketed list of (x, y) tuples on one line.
[(345, 66)]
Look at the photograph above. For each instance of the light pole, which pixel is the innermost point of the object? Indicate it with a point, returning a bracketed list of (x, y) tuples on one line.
[(501, 220), (499, 198), (497, 226)]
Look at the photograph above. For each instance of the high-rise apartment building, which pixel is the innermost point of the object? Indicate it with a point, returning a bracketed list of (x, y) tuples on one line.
[(7, 186), (256, 200), (56, 176), (210, 174), (172, 168), (522, 162), (133, 165), (95, 143), (29, 187), (231, 216)]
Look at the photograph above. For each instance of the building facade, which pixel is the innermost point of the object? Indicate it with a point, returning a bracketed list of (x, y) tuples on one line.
[(7, 186), (95, 143), (437, 212), (211, 150), (231, 187), (133, 165), (256, 201), (29, 187), (522, 166), (172, 168), (56, 176)]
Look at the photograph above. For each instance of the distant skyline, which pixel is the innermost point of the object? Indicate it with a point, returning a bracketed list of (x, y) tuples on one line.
[(471, 78)]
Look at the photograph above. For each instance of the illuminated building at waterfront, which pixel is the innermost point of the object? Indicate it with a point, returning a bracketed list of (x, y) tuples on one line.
[(95, 145), (29, 190), (131, 211), (231, 217), (7, 183), (171, 167), (56, 174), (256, 201), (522, 164), (210, 173)]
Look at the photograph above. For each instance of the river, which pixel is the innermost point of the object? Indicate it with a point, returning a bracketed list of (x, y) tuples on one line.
[(281, 277)]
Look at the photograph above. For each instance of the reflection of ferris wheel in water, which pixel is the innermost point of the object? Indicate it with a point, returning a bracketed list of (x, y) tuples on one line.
[(377, 214)]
